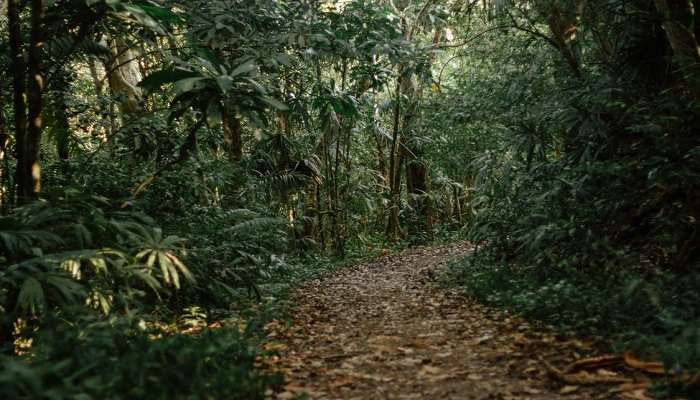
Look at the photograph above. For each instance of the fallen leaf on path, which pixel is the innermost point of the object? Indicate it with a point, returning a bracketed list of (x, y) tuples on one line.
[(429, 370), (635, 395), (342, 381), (646, 366), (594, 362), (627, 387), (585, 378), (568, 389), (379, 329)]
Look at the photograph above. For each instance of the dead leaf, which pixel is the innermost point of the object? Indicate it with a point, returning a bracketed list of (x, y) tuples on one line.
[(286, 396), (429, 370), (594, 362), (627, 387), (568, 389), (646, 366), (584, 377), (606, 372), (343, 381), (639, 394)]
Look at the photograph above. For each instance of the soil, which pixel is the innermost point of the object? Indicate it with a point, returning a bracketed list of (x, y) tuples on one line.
[(386, 329)]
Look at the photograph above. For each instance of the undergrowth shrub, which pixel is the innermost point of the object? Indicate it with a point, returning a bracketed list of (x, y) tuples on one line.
[(585, 211), (76, 250), (121, 358), (656, 315), (232, 250)]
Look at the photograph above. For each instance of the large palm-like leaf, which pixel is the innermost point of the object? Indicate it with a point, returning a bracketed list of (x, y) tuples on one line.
[(209, 85), (156, 251)]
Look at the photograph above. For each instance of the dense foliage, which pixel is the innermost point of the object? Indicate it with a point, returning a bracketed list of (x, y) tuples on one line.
[(163, 163)]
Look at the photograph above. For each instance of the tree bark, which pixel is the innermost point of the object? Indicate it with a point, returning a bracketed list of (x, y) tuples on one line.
[(32, 168), (393, 228), (457, 204), (417, 178), (679, 22), (4, 170), (19, 89), (123, 75), (562, 26), (59, 125), (382, 178), (233, 143), (95, 75)]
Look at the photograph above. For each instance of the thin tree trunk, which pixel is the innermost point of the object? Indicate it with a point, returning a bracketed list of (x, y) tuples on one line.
[(4, 166), (19, 89), (4, 146), (393, 223), (457, 204), (319, 205), (562, 26), (382, 178), (60, 128), (678, 18), (96, 80), (35, 103), (696, 23), (310, 210), (232, 136), (338, 244)]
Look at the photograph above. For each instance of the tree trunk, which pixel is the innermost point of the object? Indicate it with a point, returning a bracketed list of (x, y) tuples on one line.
[(457, 204), (58, 123), (416, 171), (678, 20), (4, 166), (418, 188), (696, 23), (319, 205), (417, 179), (393, 228), (338, 242), (32, 168), (382, 178), (233, 143), (95, 75), (562, 25), (311, 211), (4, 146), (123, 75), (19, 89)]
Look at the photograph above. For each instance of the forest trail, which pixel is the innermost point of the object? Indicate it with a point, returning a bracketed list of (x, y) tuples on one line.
[(383, 329)]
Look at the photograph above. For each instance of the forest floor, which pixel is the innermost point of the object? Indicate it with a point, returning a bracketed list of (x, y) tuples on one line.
[(385, 329)]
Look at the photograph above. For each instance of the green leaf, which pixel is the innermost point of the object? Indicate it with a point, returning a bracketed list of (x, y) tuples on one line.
[(67, 287), (225, 83), (244, 68), (276, 104), (31, 296), (161, 14), (214, 117), (187, 84), (157, 79)]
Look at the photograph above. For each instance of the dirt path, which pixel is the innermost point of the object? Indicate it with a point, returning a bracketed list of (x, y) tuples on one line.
[(385, 330)]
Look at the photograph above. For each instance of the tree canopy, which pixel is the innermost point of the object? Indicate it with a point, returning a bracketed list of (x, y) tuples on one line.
[(167, 164)]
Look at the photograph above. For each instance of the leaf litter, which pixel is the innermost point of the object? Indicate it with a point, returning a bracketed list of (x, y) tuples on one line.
[(384, 329)]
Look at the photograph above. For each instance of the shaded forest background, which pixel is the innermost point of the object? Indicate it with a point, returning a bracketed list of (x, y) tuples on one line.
[(169, 165)]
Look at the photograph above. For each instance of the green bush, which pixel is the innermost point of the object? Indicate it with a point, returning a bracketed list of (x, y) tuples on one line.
[(118, 359), (656, 315)]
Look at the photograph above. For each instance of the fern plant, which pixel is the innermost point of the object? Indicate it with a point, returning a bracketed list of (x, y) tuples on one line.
[(75, 251)]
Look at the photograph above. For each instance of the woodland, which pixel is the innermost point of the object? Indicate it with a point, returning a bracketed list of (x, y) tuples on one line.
[(197, 194)]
